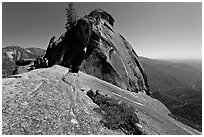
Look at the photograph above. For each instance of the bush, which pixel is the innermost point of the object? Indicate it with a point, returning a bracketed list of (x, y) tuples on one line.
[(116, 115)]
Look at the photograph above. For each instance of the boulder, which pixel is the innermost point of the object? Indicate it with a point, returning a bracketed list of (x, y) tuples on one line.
[(102, 14), (93, 46), (26, 65)]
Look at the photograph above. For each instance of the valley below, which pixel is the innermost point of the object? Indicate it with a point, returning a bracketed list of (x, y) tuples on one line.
[(178, 85)]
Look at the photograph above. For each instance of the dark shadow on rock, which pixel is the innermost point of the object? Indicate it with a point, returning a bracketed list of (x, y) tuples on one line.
[(14, 76), (116, 116), (23, 62)]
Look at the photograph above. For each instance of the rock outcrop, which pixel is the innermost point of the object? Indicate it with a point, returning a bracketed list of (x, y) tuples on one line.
[(93, 46), (49, 102)]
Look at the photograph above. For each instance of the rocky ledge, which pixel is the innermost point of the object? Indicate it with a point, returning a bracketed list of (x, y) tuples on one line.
[(51, 102)]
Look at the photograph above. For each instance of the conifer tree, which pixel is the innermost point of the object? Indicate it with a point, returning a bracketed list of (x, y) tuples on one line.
[(71, 14)]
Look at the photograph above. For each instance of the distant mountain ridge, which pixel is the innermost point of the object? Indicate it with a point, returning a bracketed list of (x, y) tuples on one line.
[(11, 54), (178, 85), (36, 51), (167, 74)]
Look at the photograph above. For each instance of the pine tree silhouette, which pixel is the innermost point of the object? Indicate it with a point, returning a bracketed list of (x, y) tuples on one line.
[(71, 14)]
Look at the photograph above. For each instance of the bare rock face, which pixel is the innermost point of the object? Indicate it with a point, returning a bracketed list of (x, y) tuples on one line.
[(102, 14), (48, 102), (42, 102), (93, 46)]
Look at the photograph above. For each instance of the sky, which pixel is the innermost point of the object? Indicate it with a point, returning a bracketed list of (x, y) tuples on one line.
[(155, 30)]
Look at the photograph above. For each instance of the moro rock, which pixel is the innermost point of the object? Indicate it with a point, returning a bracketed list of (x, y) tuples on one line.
[(92, 46)]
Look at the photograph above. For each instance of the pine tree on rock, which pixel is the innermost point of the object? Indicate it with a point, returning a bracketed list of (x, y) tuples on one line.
[(71, 14)]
